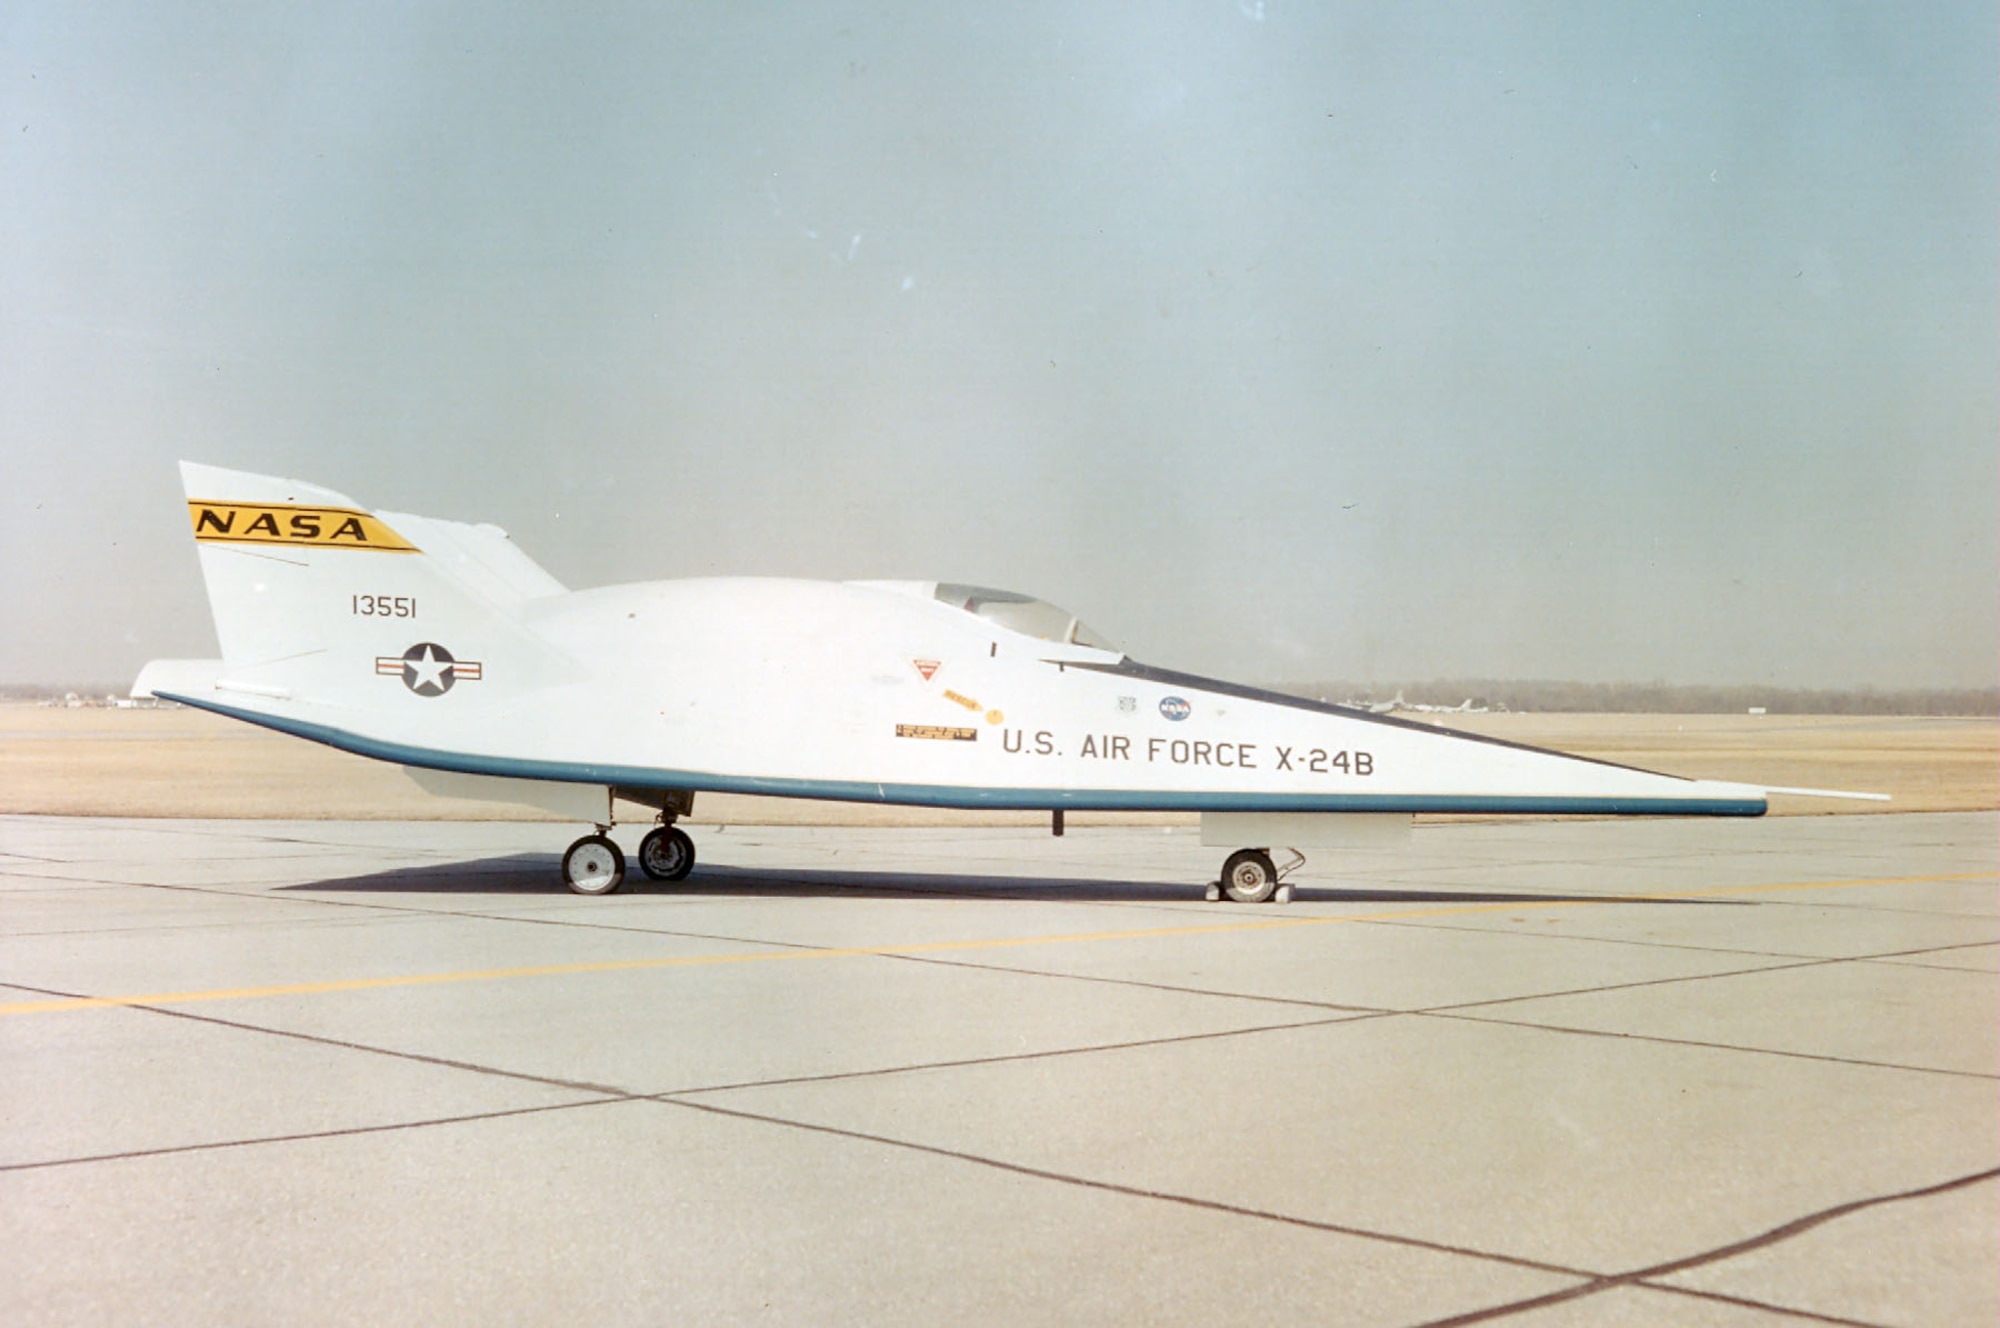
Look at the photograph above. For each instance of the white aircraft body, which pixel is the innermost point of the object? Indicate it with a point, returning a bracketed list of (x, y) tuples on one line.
[(441, 646)]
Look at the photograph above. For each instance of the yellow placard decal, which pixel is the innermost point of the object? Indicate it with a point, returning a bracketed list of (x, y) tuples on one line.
[(289, 523), (940, 732)]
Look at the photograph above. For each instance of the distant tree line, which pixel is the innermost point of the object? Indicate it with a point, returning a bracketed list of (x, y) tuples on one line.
[(56, 691), (1658, 698)]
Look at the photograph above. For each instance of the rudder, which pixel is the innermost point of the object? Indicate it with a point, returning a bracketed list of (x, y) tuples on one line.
[(315, 597)]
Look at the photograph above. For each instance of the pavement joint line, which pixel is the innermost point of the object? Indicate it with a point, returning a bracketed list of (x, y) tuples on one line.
[(344, 985), (1609, 940), (1744, 1302), (607, 1095), (1881, 911), (1356, 1013), (307, 1136), (601, 1094), (1347, 1014), (171, 928), (249, 894), (1893, 955), (1644, 1277), (1931, 968), (1013, 1057), (1130, 1191), (1800, 1225), (1173, 988), (1007, 1059), (1510, 1309), (18, 874), (1793, 962), (1675, 979), (320, 1039), (1662, 1040)]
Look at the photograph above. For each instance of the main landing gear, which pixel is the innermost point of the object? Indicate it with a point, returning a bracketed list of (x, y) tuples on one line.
[(666, 853), (1250, 877), (595, 865)]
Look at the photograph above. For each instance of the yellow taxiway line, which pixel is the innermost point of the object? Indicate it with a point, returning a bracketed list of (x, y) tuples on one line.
[(54, 1005)]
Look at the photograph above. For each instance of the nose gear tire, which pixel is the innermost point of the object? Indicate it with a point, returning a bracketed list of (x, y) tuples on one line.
[(1249, 876)]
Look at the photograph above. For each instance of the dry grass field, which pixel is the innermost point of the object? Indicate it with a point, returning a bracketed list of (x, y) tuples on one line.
[(174, 762)]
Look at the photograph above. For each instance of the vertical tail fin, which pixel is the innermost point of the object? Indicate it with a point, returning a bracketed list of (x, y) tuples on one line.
[(315, 598)]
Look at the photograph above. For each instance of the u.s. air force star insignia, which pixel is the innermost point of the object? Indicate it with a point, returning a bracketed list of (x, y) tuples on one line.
[(428, 669)]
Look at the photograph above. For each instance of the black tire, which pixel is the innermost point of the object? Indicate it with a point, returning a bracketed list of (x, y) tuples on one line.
[(1249, 876), (666, 854), (593, 866)]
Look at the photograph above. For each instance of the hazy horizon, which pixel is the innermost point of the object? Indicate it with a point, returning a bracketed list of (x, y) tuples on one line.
[(1426, 341)]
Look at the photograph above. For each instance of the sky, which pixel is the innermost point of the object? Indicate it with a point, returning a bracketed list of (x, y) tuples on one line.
[(1278, 341)]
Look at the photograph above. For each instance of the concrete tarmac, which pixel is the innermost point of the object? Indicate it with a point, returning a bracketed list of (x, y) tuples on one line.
[(1536, 1073)]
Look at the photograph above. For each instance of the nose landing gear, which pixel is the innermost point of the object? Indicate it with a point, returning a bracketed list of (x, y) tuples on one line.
[(1250, 877)]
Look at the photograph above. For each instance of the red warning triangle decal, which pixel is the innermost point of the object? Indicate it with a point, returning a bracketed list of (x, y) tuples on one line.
[(927, 667)]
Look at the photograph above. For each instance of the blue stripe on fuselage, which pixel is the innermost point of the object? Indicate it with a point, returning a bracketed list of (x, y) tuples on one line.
[(971, 797)]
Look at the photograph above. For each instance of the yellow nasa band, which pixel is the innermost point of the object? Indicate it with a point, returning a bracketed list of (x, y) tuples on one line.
[(290, 523)]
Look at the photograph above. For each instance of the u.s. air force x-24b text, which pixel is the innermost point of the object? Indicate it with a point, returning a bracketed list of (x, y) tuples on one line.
[(1194, 751)]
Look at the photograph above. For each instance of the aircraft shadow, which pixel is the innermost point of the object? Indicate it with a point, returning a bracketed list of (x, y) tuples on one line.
[(515, 874), (537, 874)]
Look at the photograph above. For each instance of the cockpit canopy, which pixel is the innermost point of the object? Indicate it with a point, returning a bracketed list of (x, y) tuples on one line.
[(1021, 613)]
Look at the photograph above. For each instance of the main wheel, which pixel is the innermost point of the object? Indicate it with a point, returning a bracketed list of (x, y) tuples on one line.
[(1249, 877), (593, 866), (666, 854)]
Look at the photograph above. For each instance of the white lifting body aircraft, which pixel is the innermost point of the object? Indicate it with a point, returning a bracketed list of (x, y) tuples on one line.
[(441, 646)]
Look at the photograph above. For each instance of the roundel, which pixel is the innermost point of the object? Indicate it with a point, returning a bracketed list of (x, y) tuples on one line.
[(1175, 708), (427, 669)]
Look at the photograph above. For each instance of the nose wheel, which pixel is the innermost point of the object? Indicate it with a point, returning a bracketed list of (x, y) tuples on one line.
[(594, 865), (1250, 877)]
